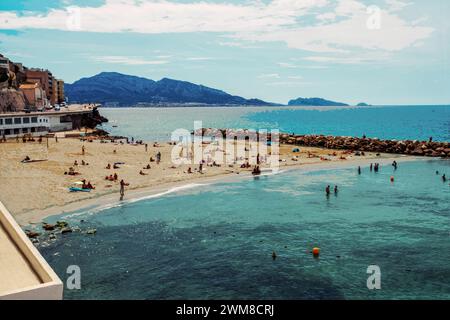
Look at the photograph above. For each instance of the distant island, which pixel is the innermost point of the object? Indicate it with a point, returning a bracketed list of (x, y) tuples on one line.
[(363, 104), (116, 89), (315, 102)]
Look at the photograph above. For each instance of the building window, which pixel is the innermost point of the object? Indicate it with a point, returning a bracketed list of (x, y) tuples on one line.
[(1, 122), (34, 120), (26, 120), (7, 132), (33, 129), (16, 131), (25, 130), (17, 120), (8, 121)]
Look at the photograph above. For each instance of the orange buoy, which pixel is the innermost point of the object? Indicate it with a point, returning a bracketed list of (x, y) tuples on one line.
[(316, 252), (392, 178)]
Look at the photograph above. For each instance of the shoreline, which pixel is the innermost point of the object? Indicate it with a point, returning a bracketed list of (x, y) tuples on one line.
[(106, 201)]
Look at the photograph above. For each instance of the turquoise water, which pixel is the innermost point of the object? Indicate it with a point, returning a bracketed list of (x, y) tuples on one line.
[(406, 122), (215, 241)]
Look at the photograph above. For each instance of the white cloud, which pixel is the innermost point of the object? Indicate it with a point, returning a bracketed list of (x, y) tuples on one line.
[(200, 58), (351, 59), (295, 77), (255, 21), (131, 61), (288, 83), (327, 16), (287, 65), (238, 44), (269, 76), (396, 5)]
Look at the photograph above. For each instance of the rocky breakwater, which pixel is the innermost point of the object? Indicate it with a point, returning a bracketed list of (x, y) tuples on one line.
[(407, 147)]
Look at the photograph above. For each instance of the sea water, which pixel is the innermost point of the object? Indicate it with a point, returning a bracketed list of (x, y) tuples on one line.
[(215, 241), (388, 122)]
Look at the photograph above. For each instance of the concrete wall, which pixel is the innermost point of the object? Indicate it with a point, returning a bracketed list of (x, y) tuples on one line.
[(56, 124), (51, 287)]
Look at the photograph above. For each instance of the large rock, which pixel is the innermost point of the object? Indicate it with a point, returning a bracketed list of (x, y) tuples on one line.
[(11, 100)]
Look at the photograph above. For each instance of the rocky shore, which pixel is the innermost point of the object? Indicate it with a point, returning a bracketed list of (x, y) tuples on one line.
[(355, 144), (408, 147)]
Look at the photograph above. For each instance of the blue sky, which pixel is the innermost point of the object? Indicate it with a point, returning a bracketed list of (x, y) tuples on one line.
[(380, 51)]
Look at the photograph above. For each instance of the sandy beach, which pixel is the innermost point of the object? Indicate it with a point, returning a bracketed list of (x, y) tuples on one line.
[(34, 191)]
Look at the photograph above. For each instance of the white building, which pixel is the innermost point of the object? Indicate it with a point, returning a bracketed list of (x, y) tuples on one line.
[(42, 123), (19, 124)]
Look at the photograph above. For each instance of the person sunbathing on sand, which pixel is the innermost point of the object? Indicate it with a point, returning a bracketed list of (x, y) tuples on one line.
[(75, 164), (142, 173), (108, 166), (147, 167), (89, 186), (72, 172)]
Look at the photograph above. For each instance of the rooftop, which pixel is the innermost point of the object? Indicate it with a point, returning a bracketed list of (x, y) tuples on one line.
[(72, 109), (29, 85)]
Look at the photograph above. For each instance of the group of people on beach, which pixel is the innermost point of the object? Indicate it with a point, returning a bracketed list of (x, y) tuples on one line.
[(72, 172), (112, 177), (87, 185), (83, 163)]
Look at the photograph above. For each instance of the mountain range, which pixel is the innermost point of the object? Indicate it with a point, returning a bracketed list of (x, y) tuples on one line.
[(121, 90), (112, 88)]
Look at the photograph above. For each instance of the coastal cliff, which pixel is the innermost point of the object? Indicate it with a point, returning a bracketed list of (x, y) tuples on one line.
[(11, 100)]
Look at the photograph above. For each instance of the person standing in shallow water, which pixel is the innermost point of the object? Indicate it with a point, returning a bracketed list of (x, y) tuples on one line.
[(122, 189), (444, 178), (359, 170), (327, 190), (336, 190), (371, 167), (394, 164)]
